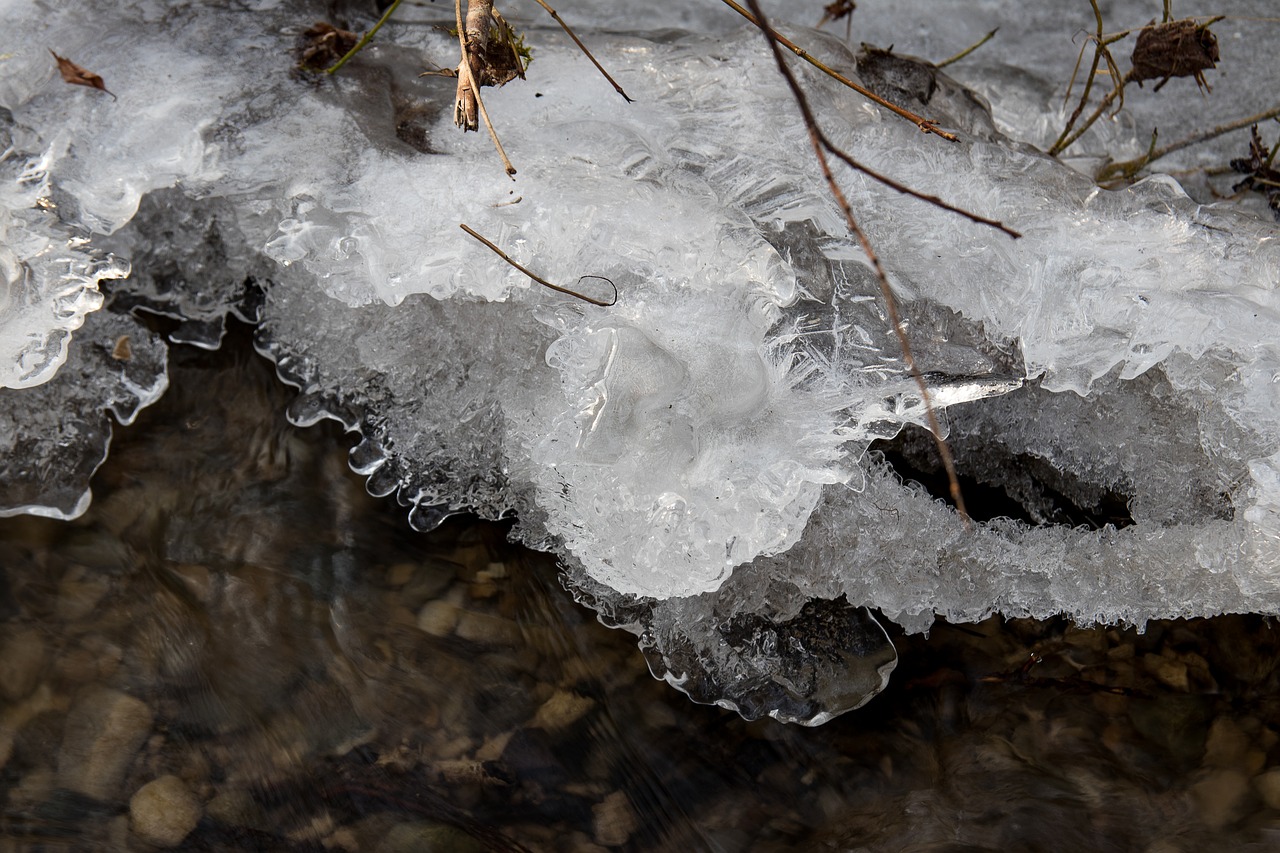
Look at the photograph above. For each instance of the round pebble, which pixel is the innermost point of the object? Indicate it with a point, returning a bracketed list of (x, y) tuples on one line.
[(164, 811)]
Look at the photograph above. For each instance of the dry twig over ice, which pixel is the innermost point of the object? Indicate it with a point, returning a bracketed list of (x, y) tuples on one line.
[(823, 146)]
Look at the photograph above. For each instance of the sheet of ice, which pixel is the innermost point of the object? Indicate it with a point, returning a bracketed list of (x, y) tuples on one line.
[(698, 452), (48, 275), (54, 436)]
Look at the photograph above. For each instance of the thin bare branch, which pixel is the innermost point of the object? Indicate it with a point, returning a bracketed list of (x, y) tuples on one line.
[(906, 190), (1098, 51), (821, 145), (543, 281), (925, 125), (968, 50), (1129, 168), (583, 48)]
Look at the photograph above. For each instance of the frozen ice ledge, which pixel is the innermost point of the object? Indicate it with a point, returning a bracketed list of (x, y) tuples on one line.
[(703, 453)]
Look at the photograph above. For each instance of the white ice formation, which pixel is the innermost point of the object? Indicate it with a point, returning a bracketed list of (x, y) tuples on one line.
[(697, 453)]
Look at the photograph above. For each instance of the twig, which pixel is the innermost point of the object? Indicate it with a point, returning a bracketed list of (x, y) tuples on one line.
[(925, 125), (1101, 41), (543, 281), (1129, 168), (906, 190), (1065, 140), (365, 39), (821, 145), (583, 48), (460, 113), (968, 50)]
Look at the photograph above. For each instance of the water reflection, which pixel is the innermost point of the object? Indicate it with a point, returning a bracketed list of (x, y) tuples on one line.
[(238, 649)]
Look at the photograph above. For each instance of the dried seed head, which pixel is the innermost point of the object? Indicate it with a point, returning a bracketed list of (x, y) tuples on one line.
[(1175, 49)]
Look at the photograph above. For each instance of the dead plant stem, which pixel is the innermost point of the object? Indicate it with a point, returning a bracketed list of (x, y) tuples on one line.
[(467, 80), (539, 279), (365, 39), (1129, 168), (968, 50), (583, 48)]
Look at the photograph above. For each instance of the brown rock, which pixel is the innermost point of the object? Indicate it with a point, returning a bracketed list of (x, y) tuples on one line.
[(1226, 744), (79, 591), (1268, 787), (1222, 797), (164, 811), (22, 661), (437, 618), (1168, 671), (561, 710), (103, 733), (613, 820)]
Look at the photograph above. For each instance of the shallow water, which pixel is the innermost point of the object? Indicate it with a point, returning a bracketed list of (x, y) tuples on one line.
[(236, 613)]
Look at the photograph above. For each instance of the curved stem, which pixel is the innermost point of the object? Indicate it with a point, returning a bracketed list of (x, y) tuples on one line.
[(365, 39)]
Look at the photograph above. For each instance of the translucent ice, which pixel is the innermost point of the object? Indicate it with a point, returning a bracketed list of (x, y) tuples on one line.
[(54, 436), (698, 453)]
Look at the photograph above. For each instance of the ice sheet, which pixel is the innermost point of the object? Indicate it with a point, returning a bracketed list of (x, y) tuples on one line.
[(698, 452)]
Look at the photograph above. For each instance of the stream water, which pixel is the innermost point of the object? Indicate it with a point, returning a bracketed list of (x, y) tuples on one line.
[(238, 649)]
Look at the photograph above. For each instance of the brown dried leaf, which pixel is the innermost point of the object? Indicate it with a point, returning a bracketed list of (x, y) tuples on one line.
[(324, 44), (836, 11), (1174, 49), (77, 76), (122, 351)]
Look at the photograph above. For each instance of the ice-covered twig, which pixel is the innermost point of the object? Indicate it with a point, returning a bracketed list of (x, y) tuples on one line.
[(543, 281), (821, 146), (775, 37)]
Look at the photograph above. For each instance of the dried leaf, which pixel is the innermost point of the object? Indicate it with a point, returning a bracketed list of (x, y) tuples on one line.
[(1175, 49), (324, 44), (836, 11), (122, 351), (77, 76)]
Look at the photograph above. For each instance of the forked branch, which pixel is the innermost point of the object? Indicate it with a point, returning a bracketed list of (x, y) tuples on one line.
[(821, 147)]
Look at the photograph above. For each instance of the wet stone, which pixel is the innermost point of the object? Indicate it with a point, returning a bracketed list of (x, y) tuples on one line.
[(164, 811), (1222, 797), (235, 807), (22, 660), (613, 820), (103, 733), (486, 629), (1268, 787), (1226, 744), (79, 592), (437, 618), (428, 837), (563, 709)]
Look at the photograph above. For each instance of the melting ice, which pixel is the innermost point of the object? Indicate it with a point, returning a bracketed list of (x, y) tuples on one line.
[(698, 453)]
